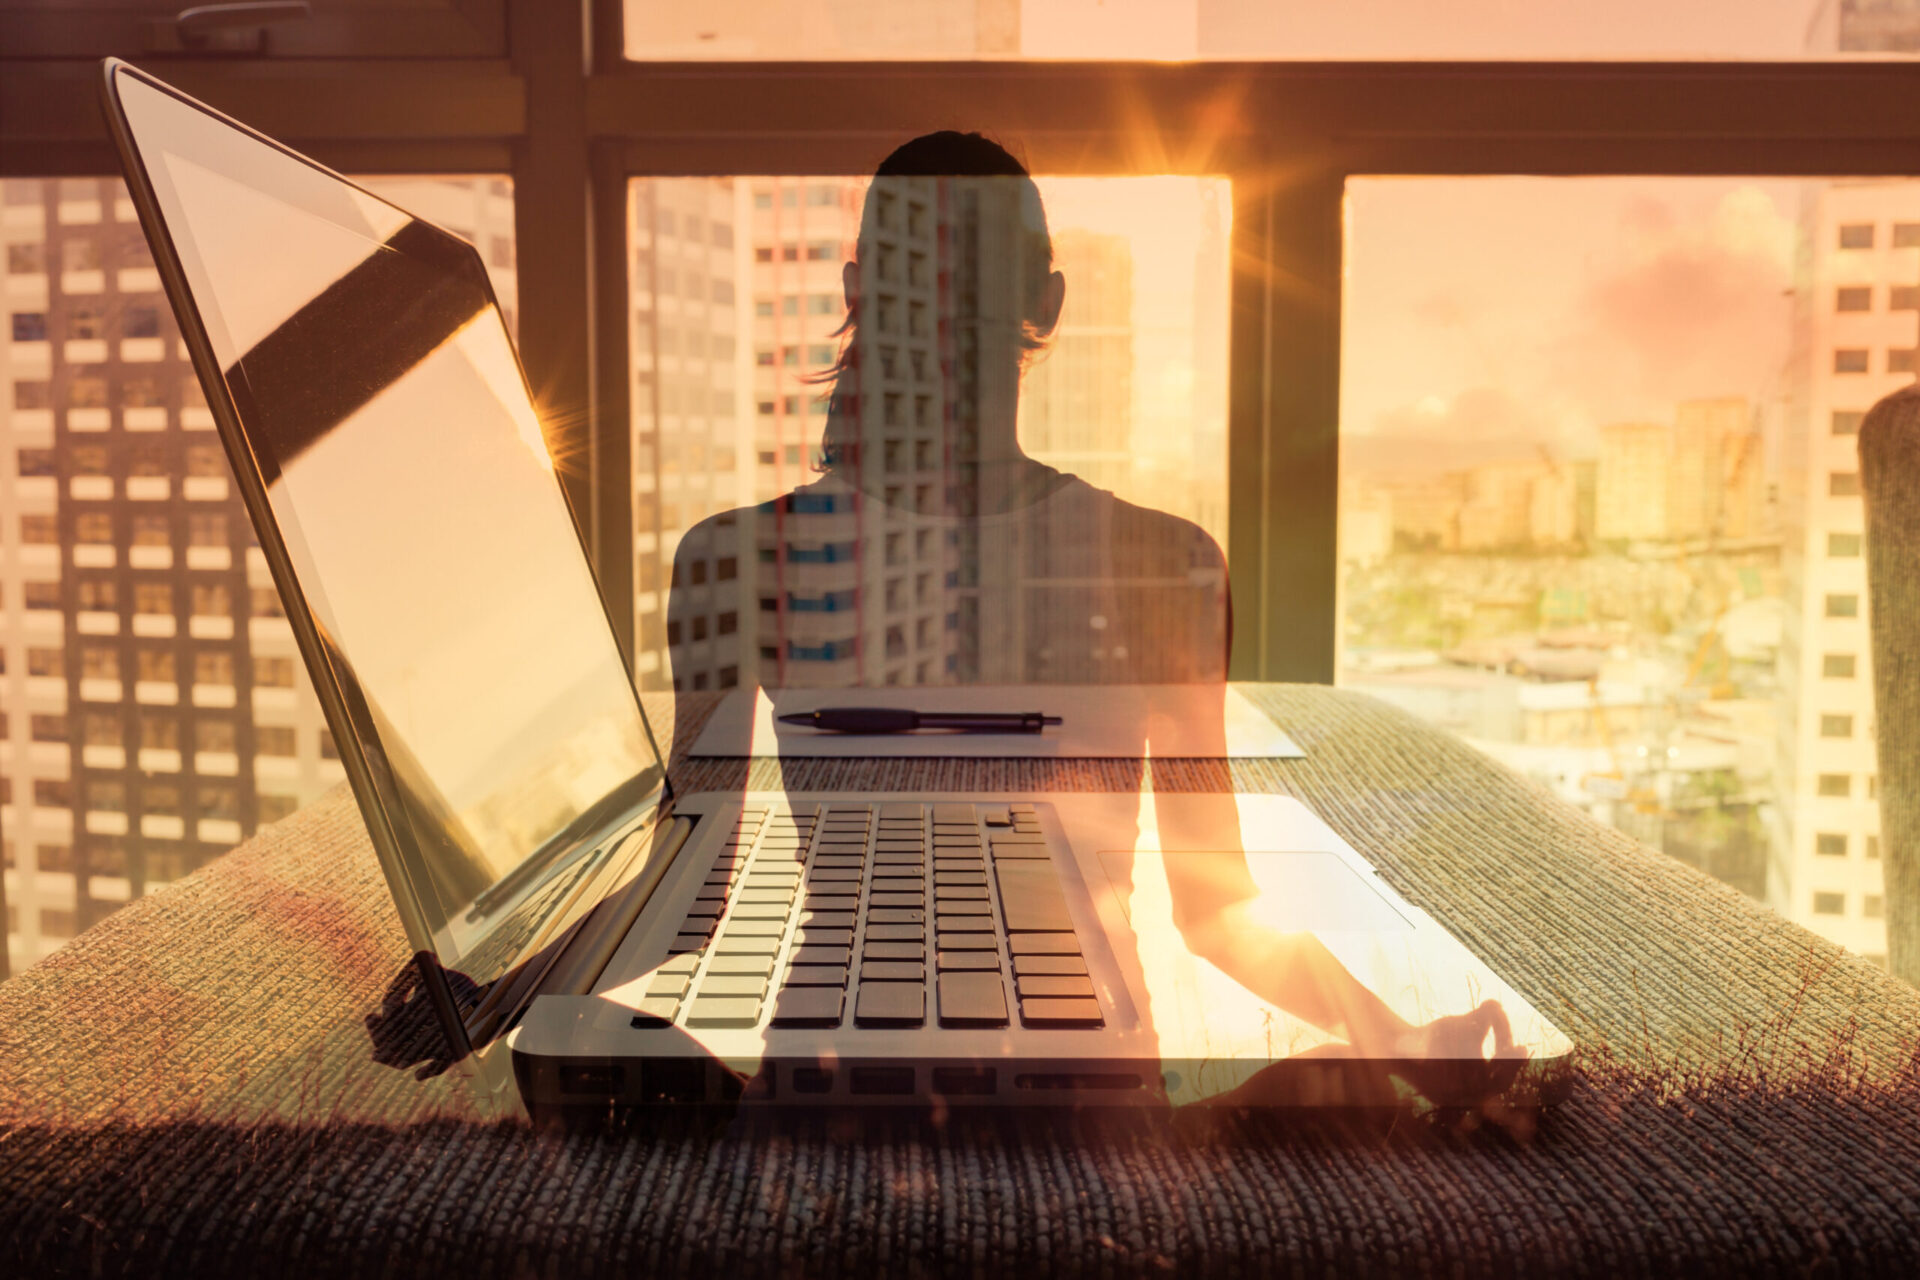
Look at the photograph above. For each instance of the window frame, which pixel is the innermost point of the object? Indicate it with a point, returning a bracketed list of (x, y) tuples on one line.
[(571, 121)]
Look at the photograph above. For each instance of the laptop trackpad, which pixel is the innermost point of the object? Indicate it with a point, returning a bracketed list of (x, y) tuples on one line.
[(1298, 890)]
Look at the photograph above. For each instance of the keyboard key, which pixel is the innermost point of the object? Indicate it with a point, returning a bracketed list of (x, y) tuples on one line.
[(960, 877), (845, 897), (900, 809), (656, 1011), (893, 951), (738, 928), (1026, 965), (707, 908), (1058, 985), (959, 893), (890, 1004), (951, 941), (731, 946), (723, 1011), (838, 860), (958, 907), (964, 924), (961, 814), (896, 915), (741, 965), (760, 911), (668, 984), (826, 919), (947, 960), (1031, 898), (679, 964), (942, 843), (886, 845), (1044, 944), (896, 932), (891, 971), (808, 1007), (997, 817), (688, 942), (972, 1000), (820, 875), (899, 860), (824, 937), (741, 984), (898, 899), (1060, 1013), (821, 955), (815, 975)]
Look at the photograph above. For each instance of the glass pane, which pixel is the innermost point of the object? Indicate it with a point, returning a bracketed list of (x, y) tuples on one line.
[(1278, 29), (153, 707), (740, 303), (1600, 506)]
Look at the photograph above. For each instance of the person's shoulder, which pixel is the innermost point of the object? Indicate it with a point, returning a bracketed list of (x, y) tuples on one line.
[(1151, 529)]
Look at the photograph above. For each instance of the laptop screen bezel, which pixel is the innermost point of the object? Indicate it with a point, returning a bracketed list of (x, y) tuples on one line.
[(360, 750)]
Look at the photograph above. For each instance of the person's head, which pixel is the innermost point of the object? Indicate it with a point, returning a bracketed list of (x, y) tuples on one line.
[(990, 265)]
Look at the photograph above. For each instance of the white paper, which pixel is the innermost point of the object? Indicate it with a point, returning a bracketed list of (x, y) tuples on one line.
[(1101, 721)]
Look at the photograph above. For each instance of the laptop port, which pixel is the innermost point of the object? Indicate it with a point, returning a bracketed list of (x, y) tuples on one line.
[(671, 1080), (597, 1079), (811, 1079), (1076, 1080), (882, 1081), (965, 1081)]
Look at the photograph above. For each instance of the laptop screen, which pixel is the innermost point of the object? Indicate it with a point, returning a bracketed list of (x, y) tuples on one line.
[(411, 486)]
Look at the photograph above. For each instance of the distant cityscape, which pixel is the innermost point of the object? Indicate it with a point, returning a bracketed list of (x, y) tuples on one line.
[(1671, 633)]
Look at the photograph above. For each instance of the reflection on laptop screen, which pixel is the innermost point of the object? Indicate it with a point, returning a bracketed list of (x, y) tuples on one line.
[(410, 482)]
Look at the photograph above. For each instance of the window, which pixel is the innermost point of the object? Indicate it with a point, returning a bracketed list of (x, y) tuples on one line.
[(1836, 726), (1857, 235), (207, 530), (274, 740), (1837, 666), (1844, 484), (99, 662), (1903, 359), (214, 735), (97, 594), (1850, 360), (273, 673), (154, 666), (45, 531), (214, 667), (211, 601), (1853, 299), (1873, 846), (103, 729), (47, 728), (1846, 422), (153, 598), (159, 732), (1843, 605), (1829, 904), (1873, 906), (1830, 844), (29, 326), (1904, 297), (1906, 235), (265, 603), (1843, 545), (46, 662), (1835, 784)]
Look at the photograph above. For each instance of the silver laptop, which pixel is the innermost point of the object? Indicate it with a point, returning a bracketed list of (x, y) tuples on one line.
[(618, 944)]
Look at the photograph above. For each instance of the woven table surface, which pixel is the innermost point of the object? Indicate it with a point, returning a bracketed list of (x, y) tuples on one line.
[(190, 1088)]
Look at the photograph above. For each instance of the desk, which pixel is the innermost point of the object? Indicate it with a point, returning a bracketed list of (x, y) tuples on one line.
[(187, 1087)]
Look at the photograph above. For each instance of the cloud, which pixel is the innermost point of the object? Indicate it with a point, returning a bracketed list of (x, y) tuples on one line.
[(1691, 308)]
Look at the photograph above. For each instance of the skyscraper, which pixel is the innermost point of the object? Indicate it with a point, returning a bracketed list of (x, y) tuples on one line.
[(1631, 490), (1714, 476), (1858, 318), (1076, 409)]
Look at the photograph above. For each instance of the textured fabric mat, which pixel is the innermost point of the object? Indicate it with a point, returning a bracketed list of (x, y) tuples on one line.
[(188, 1088)]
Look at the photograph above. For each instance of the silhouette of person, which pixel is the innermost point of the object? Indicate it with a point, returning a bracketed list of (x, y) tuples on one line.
[(931, 549)]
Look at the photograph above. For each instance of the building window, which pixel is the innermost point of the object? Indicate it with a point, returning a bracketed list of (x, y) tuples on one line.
[(1850, 360), (1837, 666), (153, 597), (53, 793), (102, 729), (1856, 235), (207, 531), (273, 673), (99, 662), (1843, 605), (29, 326), (1873, 846), (155, 666), (1843, 484), (46, 662), (1829, 904), (98, 594), (159, 732), (1853, 298), (1843, 545), (274, 740), (1906, 235), (1903, 360), (47, 728), (214, 667), (151, 531), (1904, 297), (212, 601), (275, 807), (1873, 906), (266, 603), (1836, 726), (215, 736), (1830, 844), (1835, 784)]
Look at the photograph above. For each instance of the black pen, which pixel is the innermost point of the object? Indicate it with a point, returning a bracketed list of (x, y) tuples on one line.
[(906, 720)]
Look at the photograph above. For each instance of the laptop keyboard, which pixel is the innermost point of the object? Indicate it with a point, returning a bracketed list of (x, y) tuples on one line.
[(890, 915)]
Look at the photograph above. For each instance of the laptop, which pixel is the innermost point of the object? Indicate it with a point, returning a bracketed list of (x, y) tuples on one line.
[(619, 944)]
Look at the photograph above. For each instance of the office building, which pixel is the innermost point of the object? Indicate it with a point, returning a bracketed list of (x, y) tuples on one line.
[(1631, 486), (1716, 481), (153, 707), (1076, 408), (1858, 320)]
